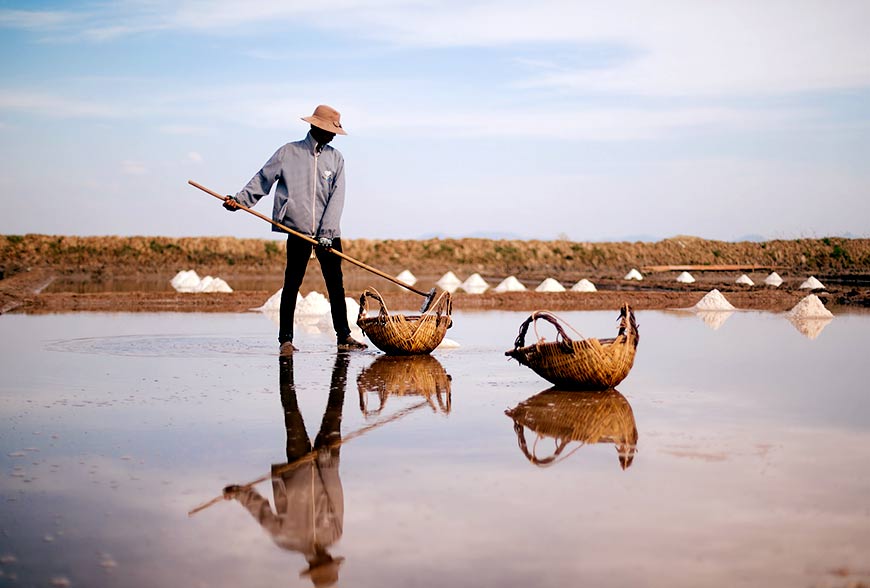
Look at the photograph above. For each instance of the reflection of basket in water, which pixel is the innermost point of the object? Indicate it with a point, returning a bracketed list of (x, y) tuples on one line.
[(583, 417), (405, 335), (587, 364), (419, 375)]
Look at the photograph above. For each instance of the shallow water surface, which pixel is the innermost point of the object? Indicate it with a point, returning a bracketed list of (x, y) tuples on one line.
[(735, 453)]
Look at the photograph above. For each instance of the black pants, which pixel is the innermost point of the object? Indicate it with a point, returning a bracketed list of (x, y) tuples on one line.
[(298, 254)]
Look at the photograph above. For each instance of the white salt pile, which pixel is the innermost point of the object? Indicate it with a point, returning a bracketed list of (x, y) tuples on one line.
[(475, 284), (314, 304), (210, 284), (633, 275), (773, 280), (510, 284), (407, 277), (812, 283), (584, 285), (325, 322), (713, 300), (449, 282), (448, 344), (550, 285), (686, 278), (744, 280), (714, 318), (810, 307), (185, 281), (273, 304)]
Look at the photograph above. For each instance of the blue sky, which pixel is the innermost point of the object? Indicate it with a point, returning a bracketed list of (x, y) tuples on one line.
[(558, 118)]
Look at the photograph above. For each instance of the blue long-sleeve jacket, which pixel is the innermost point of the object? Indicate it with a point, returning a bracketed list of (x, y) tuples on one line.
[(310, 193)]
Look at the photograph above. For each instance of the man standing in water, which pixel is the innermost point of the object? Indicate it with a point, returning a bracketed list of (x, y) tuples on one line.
[(309, 199)]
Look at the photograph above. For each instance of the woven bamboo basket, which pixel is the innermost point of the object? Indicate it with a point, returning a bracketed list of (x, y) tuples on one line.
[(584, 364), (582, 417), (397, 334), (391, 375)]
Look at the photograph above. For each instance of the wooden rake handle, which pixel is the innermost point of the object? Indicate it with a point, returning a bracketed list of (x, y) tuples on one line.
[(313, 241)]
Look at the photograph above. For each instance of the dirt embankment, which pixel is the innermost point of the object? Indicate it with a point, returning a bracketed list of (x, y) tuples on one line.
[(217, 255), (132, 273)]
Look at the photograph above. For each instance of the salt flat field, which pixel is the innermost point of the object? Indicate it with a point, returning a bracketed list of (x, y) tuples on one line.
[(736, 452)]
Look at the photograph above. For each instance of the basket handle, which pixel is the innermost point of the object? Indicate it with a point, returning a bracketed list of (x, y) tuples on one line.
[(565, 343), (383, 313), (538, 461)]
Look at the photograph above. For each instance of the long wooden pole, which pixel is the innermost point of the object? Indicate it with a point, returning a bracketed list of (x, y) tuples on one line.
[(313, 241), (312, 455)]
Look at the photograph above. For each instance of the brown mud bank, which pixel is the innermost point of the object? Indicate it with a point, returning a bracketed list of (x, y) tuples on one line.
[(133, 273)]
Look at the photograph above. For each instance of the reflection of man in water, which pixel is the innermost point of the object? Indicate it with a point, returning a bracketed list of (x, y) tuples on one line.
[(309, 502)]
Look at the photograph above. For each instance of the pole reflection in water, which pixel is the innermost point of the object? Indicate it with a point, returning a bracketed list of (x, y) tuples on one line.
[(581, 417), (398, 375), (309, 501)]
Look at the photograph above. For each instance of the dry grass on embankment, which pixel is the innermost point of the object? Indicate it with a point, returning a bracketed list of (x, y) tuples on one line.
[(100, 261), (216, 255)]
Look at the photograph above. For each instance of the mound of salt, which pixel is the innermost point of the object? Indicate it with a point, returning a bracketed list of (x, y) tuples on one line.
[(633, 275), (475, 284), (744, 280), (274, 302), (550, 285), (407, 277), (810, 307), (185, 281), (315, 304), (686, 278), (449, 282), (812, 283), (712, 301), (510, 284), (584, 285), (448, 344), (210, 284), (325, 320), (773, 280)]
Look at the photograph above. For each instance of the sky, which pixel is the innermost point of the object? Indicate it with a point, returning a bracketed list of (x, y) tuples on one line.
[(491, 118)]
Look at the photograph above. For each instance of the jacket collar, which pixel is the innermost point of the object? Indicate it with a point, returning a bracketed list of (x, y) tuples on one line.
[(311, 144)]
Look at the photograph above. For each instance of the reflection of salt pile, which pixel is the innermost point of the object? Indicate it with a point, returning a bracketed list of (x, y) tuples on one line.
[(810, 307), (407, 277), (773, 280), (810, 328), (633, 275), (713, 301), (686, 278), (584, 285), (449, 282), (189, 281), (510, 284), (714, 318), (812, 283), (475, 284), (809, 316), (550, 285), (744, 280)]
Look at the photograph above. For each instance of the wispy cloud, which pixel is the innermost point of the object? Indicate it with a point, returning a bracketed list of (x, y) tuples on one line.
[(682, 48), (194, 157), (54, 105)]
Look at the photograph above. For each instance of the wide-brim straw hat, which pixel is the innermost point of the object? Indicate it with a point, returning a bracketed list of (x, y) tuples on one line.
[(326, 118)]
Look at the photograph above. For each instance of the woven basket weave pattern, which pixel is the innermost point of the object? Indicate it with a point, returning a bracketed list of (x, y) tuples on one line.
[(398, 334), (587, 364)]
